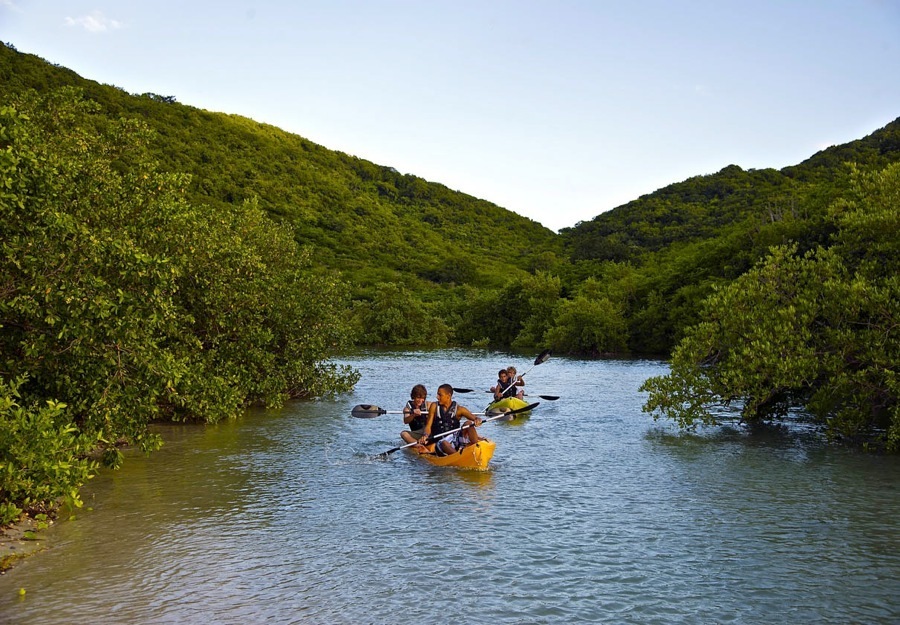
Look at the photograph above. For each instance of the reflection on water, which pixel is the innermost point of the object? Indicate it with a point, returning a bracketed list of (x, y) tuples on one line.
[(590, 512)]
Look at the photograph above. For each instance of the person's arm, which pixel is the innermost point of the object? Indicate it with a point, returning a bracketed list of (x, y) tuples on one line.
[(409, 415), (462, 411), (426, 431)]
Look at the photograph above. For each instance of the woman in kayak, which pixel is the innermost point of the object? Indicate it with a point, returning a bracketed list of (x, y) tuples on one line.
[(445, 415)]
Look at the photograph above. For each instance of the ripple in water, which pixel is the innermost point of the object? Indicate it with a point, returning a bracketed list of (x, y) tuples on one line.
[(590, 512)]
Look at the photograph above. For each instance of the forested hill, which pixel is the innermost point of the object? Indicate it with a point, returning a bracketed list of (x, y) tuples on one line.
[(368, 220), (705, 207)]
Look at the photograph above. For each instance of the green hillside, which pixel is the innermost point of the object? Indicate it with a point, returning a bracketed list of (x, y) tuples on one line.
[(703, 207), (682, 240), (368, 220), (771, 290)]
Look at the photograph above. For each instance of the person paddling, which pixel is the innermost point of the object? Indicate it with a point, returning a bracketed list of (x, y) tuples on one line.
[(515, 380), (415, 413), (445, 415), (502, 386), (507, 381)]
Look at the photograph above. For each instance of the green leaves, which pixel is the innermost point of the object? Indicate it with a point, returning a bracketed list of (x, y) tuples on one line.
[(588, 325), (42, 456), (818, 330), (395, 316), (265, 318), (125, 302)]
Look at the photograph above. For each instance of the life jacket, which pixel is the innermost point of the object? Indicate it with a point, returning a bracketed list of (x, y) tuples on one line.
[(444, 421), (510, 386), (418, 422)]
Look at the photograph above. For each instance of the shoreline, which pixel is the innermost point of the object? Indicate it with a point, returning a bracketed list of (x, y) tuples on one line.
[(17, 544)]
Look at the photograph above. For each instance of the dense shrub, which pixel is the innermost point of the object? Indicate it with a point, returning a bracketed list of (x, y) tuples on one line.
[(126, 303)]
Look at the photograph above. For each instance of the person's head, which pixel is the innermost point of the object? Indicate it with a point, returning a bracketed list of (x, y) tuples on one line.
[(445, 394), (511, 371), (503, 374), (418, 392)]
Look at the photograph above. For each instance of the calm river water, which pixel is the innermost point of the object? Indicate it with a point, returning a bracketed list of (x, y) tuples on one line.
[(590, 513)]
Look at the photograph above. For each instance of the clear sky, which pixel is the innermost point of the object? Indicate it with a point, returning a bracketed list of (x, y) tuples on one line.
[(555, 109)]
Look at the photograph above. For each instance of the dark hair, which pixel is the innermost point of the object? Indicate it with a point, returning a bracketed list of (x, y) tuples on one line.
[(502, 371), (418, 391), (446, 388)]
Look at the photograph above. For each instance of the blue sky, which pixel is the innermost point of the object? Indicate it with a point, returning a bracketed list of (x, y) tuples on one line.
[(556, 109)]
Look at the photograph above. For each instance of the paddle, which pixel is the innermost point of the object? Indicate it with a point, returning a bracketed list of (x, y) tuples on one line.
[(432, 439), (541, 358), (368, 411), (547, 397)]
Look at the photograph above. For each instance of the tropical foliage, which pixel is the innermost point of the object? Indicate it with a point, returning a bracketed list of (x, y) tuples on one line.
[(817, 329), (122, 303), (44, 457)]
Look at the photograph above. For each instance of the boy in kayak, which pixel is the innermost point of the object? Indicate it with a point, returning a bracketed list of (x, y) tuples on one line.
[(444, 415), (503, 387), (507, 381), (415, 414)]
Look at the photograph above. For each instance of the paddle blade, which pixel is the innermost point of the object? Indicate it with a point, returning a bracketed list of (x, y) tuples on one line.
[(527, 408), (366, 411), (542, 357), (462, 390), (387, 453)]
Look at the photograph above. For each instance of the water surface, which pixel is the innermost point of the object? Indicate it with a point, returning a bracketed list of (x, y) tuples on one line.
[(590, 513)]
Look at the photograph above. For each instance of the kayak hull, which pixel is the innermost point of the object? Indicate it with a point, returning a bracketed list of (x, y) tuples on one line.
[(510, 403), (475, 457)]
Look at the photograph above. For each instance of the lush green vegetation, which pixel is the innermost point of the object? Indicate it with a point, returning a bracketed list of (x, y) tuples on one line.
[(816, 329), (165, 262), (123, 302)]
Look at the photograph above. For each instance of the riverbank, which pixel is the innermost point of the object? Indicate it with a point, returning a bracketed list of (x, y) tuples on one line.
[(18, 541)]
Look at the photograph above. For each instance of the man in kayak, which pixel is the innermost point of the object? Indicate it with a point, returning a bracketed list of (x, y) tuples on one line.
[(415, 414), (445, 415)]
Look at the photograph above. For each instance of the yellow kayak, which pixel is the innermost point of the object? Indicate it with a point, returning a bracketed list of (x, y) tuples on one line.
[(511, 403), (475, 456)]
